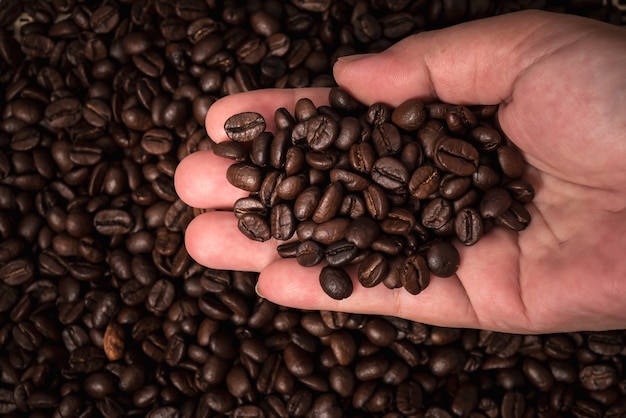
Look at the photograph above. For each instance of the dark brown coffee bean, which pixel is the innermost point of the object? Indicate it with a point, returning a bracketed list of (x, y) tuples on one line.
[(516, 217), (386, 139), (244, 176), (341, 100), (436, 213), (329, 203), (377, 114), (249, 205), (309, 253), (457, 156), (340, 253), (424, 181), (353, 206), (414, 274), (157, 141), (495, 202), (410, 115), (294, 161), (306, 203), (244, 127), (350, 180), (282, 222), (335, 282), (376, 201), (453, 187), (485, 138), (330, 231), (537, 374), (362, 232), (254, 226), (459, 119), (520, 190), (290, 187), (63, 113), (598, 376), (268, 192), (373, 269), (442, 258), (17, 272), (469, 226), (104, 19), (513, 404), (278, 148), (113, 221), (511, 161), (390, 173), (321, 132), (231, 150)]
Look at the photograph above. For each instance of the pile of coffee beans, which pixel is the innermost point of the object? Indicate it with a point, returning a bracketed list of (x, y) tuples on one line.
[(385, 189), (102, 311)]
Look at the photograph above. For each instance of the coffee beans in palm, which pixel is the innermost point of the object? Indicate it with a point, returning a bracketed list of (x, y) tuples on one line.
[(387, 189)]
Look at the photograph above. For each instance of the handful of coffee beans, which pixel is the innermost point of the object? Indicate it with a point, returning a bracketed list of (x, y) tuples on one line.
[(381, 188)]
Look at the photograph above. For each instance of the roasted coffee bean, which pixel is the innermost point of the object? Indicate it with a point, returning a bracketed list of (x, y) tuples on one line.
[(495, 202), (321, 132), (410, 115), (340, 253), (468, 226), (442, 258), (459, 119), (306, 203), (516, 217), (520, 190), (376, 201), (436, 213), (63, 113), (329, 203), (424, 181), (282, 222), (386, 139), (309, 253), (351, 181), (390, 173), (511, 161), (457, 156), (249, 205), (330, 231), (414, 274), (113, 221), (244, 176), (113, 343), (244, 127), (335, 282), (291, 187), (254, 226), (373, 269), (362, 232)]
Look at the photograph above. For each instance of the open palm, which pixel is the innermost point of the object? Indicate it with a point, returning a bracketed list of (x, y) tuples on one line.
[(561, 85)]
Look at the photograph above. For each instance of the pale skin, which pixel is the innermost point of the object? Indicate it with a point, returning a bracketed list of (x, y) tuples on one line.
[(561, 85)]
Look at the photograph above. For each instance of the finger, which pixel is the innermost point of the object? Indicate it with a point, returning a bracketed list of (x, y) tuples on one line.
[(264, 102), (471, 63), (443, 302), (200, 181), (213, 240)]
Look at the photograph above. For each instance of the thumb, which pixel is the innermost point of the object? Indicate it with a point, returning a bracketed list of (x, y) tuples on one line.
[(471, 63)]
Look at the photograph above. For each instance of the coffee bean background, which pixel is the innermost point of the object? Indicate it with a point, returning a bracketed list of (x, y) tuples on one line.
[(102, 311)]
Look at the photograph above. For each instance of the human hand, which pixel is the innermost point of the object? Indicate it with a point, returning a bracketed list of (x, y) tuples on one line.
[(560, 81)]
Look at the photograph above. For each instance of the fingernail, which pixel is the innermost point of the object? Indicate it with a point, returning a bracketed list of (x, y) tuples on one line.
[(256, 289), (352, 58)]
